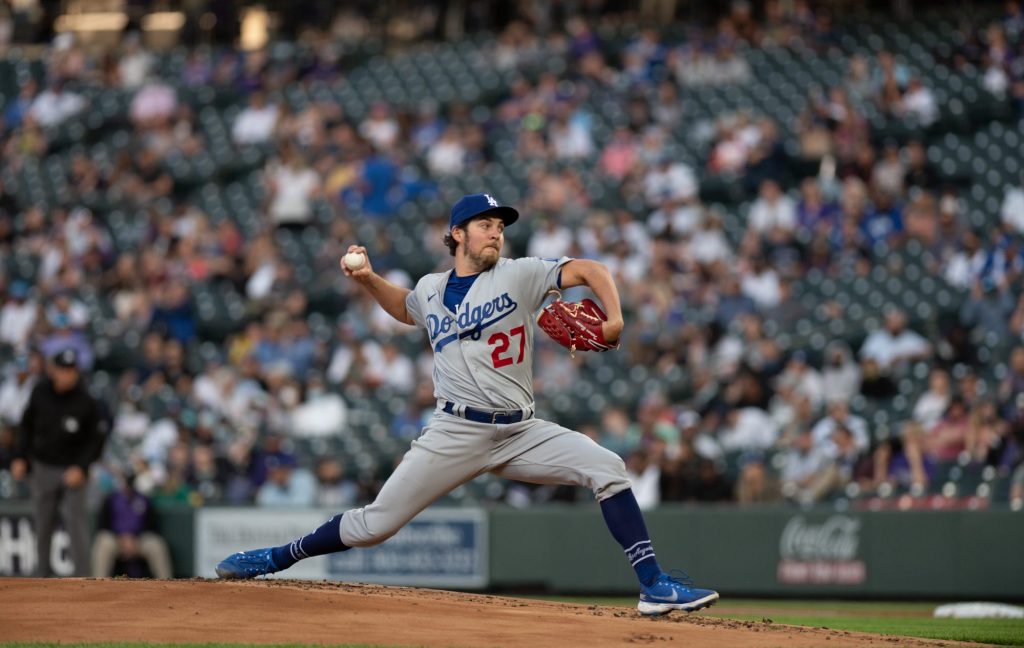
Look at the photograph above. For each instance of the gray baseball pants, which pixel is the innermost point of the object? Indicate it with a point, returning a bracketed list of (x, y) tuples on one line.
[(451, 451), (48, 493)]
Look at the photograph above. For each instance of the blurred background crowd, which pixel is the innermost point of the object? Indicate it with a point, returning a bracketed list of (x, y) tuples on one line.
[(814, 213)]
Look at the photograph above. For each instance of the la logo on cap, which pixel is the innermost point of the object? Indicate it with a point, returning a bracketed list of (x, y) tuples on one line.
[(490, 200)]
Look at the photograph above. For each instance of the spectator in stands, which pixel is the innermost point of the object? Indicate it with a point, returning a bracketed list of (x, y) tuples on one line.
[(1012, 210), (620, 154), (883, 221), (894, 345), (127, 529), (669, 180), (943, 441), (380, 127), (569, 134), (846, 465), (645, 475), (17, 386), (616, 434), (805, 464), (748, 428), (772, 212), (134, 63), (761, 283), (803, 379), (732, 303), (768, 158), (292, 187), (257, 122), (144, 178), (287, 485), (208, 474), (839, 415), (173, 313), (934, 402), (19, 108), (813, 214), (447, 155), (154, 104), (334, 489), (988, 307), (888, 174), (55, 105), (18, 316), (756, 485), (841, 375), (918, 102)]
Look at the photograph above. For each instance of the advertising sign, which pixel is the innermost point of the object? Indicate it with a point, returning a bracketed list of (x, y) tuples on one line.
[(825, 553), (18, 547), (439, 548)]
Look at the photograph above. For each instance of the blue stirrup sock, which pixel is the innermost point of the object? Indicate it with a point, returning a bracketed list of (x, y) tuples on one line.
[(324, 540), (624, 520)]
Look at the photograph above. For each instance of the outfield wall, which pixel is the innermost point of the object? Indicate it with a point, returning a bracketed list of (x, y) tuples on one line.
[(760, 552)]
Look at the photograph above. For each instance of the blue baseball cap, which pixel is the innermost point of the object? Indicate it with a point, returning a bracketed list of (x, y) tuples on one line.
[(474, 205)]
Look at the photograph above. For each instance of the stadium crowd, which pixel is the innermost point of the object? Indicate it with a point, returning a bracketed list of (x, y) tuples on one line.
[(754, 418)]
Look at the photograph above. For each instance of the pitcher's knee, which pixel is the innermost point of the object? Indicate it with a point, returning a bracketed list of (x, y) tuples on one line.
[(356, 531), (609, 476)]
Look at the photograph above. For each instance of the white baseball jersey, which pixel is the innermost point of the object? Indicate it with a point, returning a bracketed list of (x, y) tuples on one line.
[(483, 353)]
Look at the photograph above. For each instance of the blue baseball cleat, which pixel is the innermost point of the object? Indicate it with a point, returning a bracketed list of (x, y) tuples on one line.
[(674, 593), (247, 564)]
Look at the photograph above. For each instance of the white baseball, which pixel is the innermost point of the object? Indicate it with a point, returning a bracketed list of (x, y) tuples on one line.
[(354, 260)]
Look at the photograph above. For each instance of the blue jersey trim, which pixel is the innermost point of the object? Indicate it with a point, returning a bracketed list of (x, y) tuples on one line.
[(456, 289)]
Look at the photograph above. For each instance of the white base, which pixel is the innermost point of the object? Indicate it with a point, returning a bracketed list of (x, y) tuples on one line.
[(979, 610)]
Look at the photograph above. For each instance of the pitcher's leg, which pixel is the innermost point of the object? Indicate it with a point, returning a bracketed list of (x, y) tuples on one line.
[(449, 453), (428, 471), (547, 453)]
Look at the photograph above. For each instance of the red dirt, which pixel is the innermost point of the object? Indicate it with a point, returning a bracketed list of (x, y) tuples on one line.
[(285, 611)]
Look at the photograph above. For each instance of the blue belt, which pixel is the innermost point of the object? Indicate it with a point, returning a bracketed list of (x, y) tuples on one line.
[(499, 417)]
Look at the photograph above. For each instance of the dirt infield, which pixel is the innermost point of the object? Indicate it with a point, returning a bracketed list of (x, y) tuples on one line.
[(285, 611)]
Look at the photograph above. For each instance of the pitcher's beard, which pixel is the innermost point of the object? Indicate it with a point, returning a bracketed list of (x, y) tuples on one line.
[(482, 263)]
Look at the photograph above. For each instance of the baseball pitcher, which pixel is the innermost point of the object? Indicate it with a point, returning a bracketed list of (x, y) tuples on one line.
[(479, 318)]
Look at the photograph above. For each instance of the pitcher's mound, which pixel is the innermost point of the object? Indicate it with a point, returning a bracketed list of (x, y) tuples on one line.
[(301, 612)]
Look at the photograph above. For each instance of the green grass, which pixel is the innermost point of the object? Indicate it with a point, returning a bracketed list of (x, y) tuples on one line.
[(1007, 632), (897, 618)]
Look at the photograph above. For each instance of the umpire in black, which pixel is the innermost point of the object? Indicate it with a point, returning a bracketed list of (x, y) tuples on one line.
[(62, 433)]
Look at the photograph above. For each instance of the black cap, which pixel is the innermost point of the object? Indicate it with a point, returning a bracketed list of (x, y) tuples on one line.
[(65, 358)]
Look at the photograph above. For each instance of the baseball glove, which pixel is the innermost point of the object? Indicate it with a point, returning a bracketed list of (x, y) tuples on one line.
[(575, 325)]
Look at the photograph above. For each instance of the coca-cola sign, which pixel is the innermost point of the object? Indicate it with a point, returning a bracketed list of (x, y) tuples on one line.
[(824, 553), (834, 539)]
